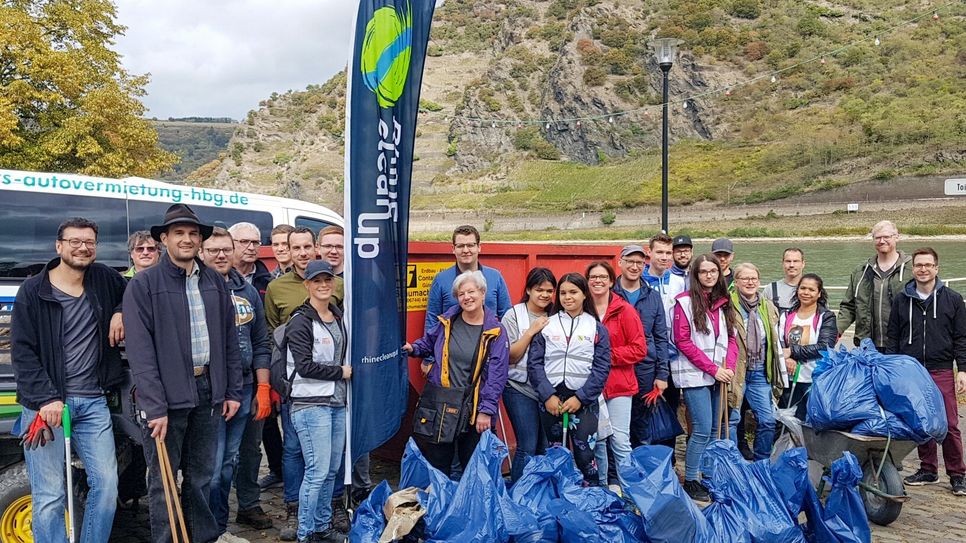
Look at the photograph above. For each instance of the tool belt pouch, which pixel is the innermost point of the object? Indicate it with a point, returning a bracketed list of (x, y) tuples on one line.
[(442, 413)]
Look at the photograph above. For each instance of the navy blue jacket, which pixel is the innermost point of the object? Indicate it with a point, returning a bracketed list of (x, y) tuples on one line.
[(158, 339), (599, 371), (253, 342), (656, 364), (36, 328)]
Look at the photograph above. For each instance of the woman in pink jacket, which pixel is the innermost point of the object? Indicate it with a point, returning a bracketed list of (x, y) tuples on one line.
[(704, 334)]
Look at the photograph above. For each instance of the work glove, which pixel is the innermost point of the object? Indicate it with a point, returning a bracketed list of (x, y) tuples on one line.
[(276, 400), (651, 397), (263, 401), (37, 435)]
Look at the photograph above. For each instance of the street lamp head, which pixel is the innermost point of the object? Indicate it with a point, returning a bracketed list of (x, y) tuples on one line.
[(666, 51)]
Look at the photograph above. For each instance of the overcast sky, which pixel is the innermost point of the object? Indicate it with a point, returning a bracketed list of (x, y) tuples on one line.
[(218, 58)]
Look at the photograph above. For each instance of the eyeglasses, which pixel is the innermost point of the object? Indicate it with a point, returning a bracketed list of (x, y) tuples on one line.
[(747, 279), (598, 278), (248, 242), (463, 246), (885, 238), (75, 243), (633, 263), (328, 247), (924, 265), (213, 251), (707, 272), (146, 249)]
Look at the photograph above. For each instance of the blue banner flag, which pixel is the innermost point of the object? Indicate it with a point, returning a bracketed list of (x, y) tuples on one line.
[(388, 53)]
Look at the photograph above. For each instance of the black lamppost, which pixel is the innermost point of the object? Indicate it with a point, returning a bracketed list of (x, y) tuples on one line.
[(666, 51)]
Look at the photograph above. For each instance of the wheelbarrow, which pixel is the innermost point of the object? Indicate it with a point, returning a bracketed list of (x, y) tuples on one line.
[(881, 487)]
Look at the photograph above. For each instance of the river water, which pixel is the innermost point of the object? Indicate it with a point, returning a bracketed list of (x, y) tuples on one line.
[(834, 260)]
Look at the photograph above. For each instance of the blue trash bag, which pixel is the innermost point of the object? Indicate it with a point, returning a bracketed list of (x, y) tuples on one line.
[(843, 395), (844, 513), (904, 387), (826, 362), (575, 525), (790, 474), (747, 506), (613, 520), (889, 425), (668, 513), (369, 521), (480, 509), (660, 423), (538, 486), (437, 489)]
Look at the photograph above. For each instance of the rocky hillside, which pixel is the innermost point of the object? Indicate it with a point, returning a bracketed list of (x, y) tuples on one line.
[(507, 81)]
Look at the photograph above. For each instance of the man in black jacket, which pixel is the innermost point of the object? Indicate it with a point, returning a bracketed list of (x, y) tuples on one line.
[(64, 334), (928, 323), (180, 321)]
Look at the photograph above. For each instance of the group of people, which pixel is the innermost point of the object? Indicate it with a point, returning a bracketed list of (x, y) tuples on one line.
[(196, 314), (581, 358), (594, 350)]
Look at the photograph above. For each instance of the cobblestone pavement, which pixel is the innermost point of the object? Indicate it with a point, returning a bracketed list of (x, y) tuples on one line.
[(933, 514)]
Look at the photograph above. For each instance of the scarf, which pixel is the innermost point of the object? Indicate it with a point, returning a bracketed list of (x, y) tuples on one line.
[(753, 343)]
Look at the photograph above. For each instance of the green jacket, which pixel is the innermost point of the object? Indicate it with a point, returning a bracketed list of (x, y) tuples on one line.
[(867, 308), (774, 360)]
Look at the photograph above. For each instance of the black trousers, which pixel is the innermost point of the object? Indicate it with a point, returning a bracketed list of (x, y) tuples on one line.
[(441, 455), (192, 442), (272, 442), (582, 434)]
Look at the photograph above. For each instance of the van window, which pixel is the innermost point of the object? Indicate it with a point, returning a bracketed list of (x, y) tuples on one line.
[(144, 215), (28, 229), (312, 223)]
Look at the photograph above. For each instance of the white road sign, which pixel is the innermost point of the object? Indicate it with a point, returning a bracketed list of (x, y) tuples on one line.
[(956, 187)]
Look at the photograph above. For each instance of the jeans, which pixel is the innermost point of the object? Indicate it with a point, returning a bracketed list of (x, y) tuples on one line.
[(953, 442), (321, 431), (249, 461), (93, 440), (620, 421), (759, 396), (702, 405), (293, 465), (229, 440), (524, 413), (191, 441)]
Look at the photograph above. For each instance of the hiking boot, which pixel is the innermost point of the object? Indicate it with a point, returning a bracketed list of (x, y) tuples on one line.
[(254, 517), (290, 531), (958, 482), (270, 480), (328, 536), (340, 517), (921, 477), (696, 491)]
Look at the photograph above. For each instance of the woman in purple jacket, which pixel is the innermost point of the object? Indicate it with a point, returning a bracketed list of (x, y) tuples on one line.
[(471, 353)]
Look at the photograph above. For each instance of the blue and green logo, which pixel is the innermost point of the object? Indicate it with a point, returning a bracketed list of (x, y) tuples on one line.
[(385, 54)]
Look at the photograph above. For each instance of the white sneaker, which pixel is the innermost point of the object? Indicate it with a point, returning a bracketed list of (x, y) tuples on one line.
[(230, 538)]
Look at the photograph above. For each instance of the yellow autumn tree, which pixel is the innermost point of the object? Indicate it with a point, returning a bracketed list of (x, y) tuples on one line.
[(66, 103)]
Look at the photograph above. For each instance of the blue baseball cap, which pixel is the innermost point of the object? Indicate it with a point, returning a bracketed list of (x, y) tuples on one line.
[(317, 267)]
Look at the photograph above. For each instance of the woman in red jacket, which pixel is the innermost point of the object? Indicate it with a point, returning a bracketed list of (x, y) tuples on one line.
[(628, 347)]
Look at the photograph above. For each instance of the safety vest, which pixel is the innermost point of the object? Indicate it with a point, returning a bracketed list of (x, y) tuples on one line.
[(323, 352), (518, 372), (569, 354), (714, 346)]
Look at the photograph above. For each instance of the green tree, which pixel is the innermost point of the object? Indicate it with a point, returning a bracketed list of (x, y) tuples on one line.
[(66, 103)]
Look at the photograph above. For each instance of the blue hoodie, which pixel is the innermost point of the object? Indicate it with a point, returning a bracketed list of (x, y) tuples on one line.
[(253, 342)]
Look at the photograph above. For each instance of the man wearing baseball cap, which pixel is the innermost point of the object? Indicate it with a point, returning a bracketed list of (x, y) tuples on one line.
[(725, 251), (681, 251), (186, 365)]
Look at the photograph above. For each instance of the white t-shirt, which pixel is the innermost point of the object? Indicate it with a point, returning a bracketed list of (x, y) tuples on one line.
[(802, 332)]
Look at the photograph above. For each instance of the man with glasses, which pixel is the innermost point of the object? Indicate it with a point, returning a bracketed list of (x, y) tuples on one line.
[(64, 332), (247, 240), (466, 248), (332, 248), (144, 252), (180, 320), (873, 285), (928, 323), (682, 251), (217, 253)]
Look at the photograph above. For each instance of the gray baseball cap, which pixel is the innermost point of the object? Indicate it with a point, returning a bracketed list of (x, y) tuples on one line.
[(723, 245), (631, 249)]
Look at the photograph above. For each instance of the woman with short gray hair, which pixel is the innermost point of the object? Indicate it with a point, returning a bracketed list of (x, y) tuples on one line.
[(464, 384)]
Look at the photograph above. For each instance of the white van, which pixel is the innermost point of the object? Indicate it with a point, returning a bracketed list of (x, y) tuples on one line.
[(33, 204)]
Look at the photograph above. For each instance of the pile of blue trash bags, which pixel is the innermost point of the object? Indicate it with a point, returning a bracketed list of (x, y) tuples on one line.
[(757, 502), (870, 393)]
